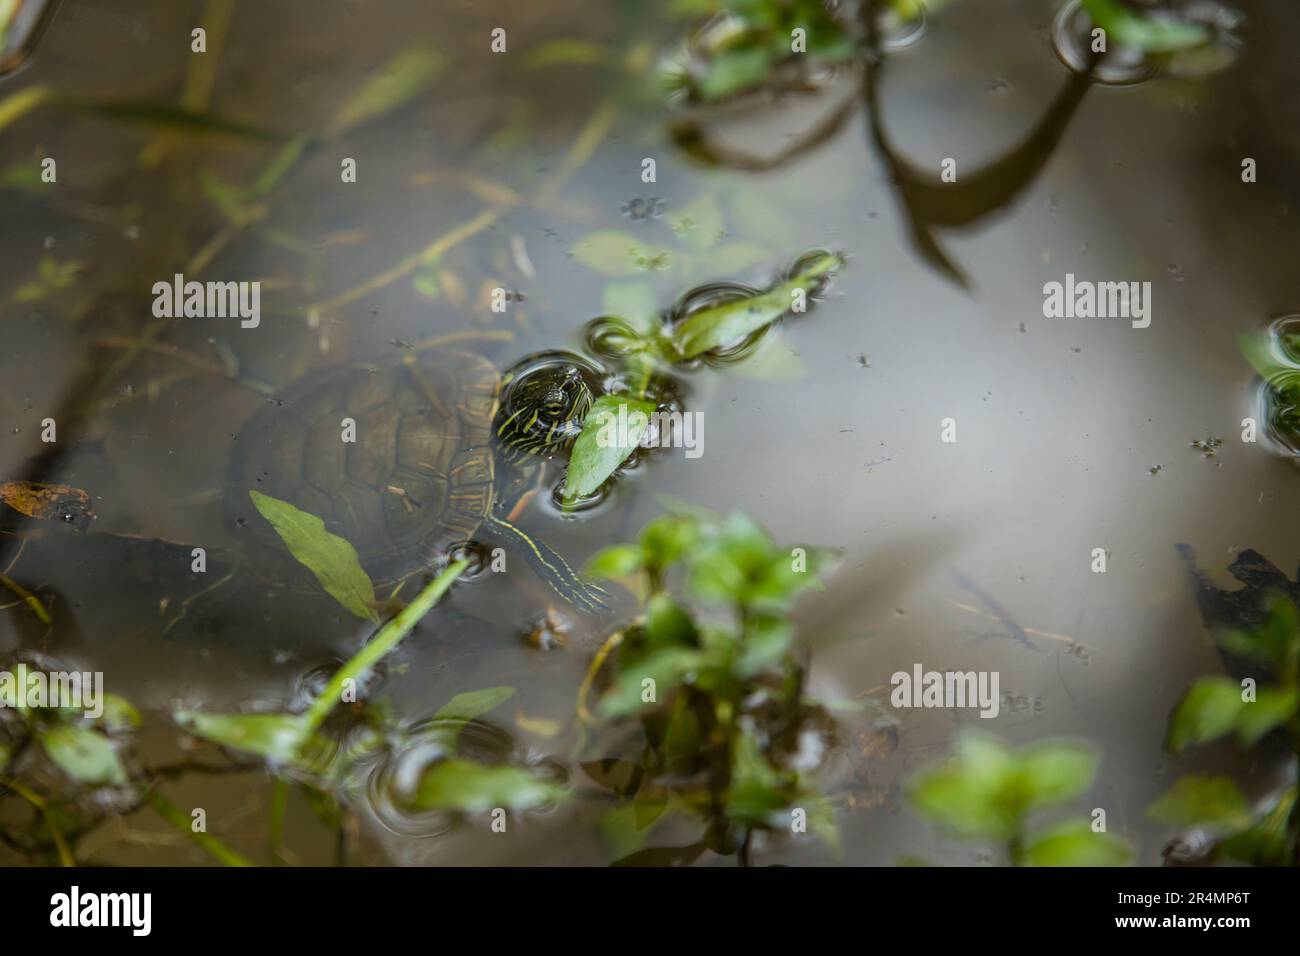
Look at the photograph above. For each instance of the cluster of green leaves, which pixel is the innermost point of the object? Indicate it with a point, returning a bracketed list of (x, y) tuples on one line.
[(746, 48), (648, 350), (988, 791), (52, 277), (712, 679), (86, 749), (294, 742), (1217, 707)]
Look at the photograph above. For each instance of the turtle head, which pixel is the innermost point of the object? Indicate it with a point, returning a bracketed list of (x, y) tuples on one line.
[(544, 401)]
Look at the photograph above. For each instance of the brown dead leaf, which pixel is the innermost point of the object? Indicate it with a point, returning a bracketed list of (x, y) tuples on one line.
[(47, 502)]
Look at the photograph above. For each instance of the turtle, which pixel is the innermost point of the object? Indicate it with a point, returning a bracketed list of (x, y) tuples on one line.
[(435, 458)]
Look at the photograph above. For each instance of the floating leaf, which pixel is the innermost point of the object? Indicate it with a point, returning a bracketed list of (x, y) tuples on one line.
[(277, 737), (47, 502), (1129, 28), (722, 325), (84, 755), (1074, 843), (618, 254), (330, 558), (610, 433), (1201, 800), (467, 787), (404, 75)]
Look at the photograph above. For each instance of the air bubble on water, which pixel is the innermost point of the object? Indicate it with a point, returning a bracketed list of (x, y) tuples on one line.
[(899, 33), (642, 210)]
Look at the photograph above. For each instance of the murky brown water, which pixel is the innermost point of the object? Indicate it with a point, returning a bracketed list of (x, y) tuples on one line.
[(831, 436)]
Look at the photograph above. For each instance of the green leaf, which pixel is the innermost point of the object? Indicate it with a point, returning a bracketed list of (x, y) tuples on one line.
[(84, 755), (725, 324), (667, 539), (405, 75), (618, 254), (611, 432), (277, 737), (666, 668), (1271, 708), (119, 714), (1208, 711), (766, 644), (474, 704), (1201, 800), (467, 787), (735, 71), (1129, 28), (755, 797), (330, 558), (667, 624), (4, 757), (1074, 843), (1267, 841), (616, 561), (1056, 773), (963, 802)]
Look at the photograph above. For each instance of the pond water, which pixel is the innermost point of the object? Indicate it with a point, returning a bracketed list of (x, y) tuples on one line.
[(1072, 434)]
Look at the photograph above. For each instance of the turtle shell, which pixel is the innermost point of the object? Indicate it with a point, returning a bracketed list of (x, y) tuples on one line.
[(415, 479)]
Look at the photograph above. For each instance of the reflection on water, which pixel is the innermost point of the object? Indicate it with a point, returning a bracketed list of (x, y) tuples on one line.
[(1072, 434)]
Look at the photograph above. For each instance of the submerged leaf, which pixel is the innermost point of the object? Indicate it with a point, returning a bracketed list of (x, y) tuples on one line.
[(46, 502), (618, 254), (330, 558), (84, 755), (474, 704), (404, 75)]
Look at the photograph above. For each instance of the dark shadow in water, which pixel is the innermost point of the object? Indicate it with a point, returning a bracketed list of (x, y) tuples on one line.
[(927, 201)]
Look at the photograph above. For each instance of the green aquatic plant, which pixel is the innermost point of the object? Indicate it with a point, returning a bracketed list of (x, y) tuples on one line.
[(301, 748), (1247, 710), (708, 682), (649, 347), (990, 792)]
